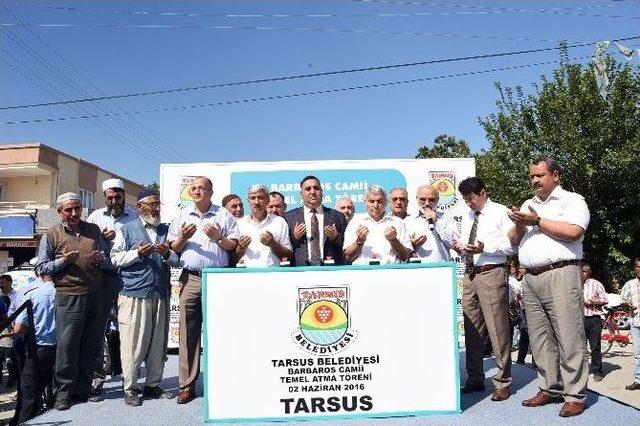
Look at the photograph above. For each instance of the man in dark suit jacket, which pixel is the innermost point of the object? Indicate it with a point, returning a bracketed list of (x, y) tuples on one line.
[(315, 224)]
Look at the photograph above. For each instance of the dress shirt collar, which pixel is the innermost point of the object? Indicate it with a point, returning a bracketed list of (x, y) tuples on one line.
[(307, 210), (385, 217), (145, 224), (251, 219), (213, 209), (556, 194), (125, 212)]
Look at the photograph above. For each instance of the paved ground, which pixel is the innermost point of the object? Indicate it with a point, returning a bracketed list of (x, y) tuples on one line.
[(618, 367)]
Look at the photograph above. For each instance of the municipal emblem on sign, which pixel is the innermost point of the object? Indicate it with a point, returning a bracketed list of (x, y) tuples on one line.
[(185, 196), (323, 314), (445, 183)]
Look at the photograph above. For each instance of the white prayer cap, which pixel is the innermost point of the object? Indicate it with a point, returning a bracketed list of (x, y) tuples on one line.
[(112, 184), (67, 196)]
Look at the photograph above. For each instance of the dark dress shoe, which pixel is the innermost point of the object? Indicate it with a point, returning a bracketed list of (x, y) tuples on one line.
[(500, 394), (186, 395), (62, 404), (156, 392), (132, 398), (471, 388), (633, 386), (572, 408), (541, 398)]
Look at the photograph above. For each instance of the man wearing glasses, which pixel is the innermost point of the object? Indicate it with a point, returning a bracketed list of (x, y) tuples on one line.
[(423, 229), (109, 219)]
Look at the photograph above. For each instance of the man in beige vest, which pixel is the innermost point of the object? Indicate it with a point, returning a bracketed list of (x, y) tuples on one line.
[(73, 253)]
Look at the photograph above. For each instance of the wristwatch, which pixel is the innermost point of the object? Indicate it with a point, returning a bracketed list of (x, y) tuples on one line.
[(219, 240), (537, 222)]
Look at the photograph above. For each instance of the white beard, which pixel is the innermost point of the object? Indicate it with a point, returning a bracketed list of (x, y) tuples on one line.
[(150, 220)]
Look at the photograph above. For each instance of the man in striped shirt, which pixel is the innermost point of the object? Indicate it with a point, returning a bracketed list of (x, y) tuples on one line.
[(631, 296), (595, 298)]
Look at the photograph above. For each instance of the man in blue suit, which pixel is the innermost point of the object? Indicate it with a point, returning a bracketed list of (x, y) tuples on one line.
[(316, 232)]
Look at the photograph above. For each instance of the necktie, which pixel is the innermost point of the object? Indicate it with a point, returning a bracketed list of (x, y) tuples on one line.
[(315, 258), (472, 239)]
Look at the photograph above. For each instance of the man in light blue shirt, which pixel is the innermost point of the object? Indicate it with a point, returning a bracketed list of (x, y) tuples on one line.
[(36, 377), (109, 219), (203, 236)]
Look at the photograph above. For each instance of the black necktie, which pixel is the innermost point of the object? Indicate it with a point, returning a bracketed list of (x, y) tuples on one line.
[(315, 258), (472, 240)]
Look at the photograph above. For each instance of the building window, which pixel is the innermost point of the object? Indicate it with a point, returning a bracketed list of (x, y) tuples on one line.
[(86, 198)]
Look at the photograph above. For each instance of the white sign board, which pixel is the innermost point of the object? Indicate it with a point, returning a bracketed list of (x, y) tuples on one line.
[(330, 342)]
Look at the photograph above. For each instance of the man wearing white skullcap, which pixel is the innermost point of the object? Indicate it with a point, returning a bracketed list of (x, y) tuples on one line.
[(73, 254), (110, 219)]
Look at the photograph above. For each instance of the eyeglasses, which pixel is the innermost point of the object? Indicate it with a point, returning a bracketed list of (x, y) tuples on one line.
[(430, 199), (402, 199), (152, 204)]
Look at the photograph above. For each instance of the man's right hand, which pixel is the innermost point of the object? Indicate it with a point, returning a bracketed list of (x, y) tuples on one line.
[(187, 230), (299, 231), (361, 233), (458, 246), (70, 256), (145, 250), (244, 241)]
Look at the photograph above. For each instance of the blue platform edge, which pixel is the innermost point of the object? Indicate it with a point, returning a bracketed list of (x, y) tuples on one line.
[(454, 283)]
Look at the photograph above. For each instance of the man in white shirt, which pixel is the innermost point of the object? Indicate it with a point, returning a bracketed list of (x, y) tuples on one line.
[(484, 243), (277, 205), (344, 204), (376, 236), (631, 296), (422, 229), (595, 297), (233, 203), (264, 237), (110, 219), (549, 229), (399, 198)]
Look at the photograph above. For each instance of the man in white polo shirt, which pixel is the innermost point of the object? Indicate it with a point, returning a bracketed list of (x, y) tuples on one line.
[(376, 236), (264, 237), (549, 229)]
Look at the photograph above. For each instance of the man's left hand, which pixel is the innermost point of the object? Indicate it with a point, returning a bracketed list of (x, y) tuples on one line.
[(96, 257), (266, 238), (390, 233), (474, 248), (214, 232), (331, 232), (163, 249)]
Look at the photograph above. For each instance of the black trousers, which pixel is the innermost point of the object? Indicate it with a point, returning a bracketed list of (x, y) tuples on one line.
[(110, 295), (35, 379), (78, 328), (593, 330), (523, 342)]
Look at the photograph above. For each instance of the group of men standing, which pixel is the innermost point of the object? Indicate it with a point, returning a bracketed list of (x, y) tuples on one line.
[(123, 256)]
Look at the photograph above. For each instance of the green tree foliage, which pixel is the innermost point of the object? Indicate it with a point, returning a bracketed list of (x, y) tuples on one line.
[(445, 146), (597, 142), (154, 186)]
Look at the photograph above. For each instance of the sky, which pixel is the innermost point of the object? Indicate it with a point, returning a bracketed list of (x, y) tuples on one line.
[(394, 74)]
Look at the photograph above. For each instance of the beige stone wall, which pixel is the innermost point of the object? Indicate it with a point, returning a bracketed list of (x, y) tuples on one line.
[(29, 188), (98, 199), (68, 171)]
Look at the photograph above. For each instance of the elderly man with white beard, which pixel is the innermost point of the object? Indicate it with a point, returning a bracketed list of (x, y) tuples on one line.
[(141, 251)]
